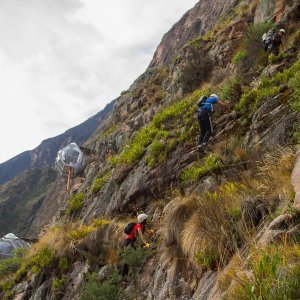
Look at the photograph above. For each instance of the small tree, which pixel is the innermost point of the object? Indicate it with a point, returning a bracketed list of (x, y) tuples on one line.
[(134, 258), (109, 289), (252, 56)]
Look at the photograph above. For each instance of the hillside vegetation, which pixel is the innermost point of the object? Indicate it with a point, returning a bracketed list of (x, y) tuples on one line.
[(224, 220)]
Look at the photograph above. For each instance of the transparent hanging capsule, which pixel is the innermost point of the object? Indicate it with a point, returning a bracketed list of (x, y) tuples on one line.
[(70, 162), (10, 243)]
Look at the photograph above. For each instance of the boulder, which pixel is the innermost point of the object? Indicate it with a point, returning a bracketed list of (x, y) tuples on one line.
[(41, 292), (103, 272), (273, 123), (205, 285), (270, 236), (281, 222), (74, 280)]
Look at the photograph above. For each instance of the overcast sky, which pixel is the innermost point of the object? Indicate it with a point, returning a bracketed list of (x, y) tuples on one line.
[(61, 61)]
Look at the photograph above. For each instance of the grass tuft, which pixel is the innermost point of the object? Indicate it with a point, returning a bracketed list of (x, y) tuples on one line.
[(75, 204), (192, 174), (99, 182)]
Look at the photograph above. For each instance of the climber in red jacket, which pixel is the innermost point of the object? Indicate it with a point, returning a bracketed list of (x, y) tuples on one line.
[(133, 230)]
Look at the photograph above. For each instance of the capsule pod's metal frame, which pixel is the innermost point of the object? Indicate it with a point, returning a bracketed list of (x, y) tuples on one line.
[(9, 243), (70, 157)]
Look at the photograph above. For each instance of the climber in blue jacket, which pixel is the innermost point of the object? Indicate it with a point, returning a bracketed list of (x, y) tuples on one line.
[(205, 110)]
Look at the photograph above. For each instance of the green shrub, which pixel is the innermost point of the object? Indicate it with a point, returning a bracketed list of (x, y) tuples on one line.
[(57, 285), (251, 55), (296, 134), (76, 203), (194, 72), (276, 59), (99, 222), (109, 289), (109, 131), (192, 174), (155, 148), (275, 274), (63, 264), (99, 182), (239, 56), (80, 232), (247, 102), (231, 90), (156, 154), (270, 87), (158, 130), (207, 259), (41, 261), (196, 43), (7, 287), (134, 257), (11, 264)]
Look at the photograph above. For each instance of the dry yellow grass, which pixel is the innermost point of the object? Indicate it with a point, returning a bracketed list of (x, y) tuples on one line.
[(209, 228), (275, 172)]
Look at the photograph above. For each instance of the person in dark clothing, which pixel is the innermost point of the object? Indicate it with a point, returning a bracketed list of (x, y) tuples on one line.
[(138, 230), (276, 42), (204, 118)]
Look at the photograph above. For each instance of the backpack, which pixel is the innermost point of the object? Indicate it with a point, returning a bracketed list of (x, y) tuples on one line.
[(201, 101), (129, 227), (267, 37)]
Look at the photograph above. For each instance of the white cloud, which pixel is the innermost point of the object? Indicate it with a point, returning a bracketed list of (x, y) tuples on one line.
[(61, 61)]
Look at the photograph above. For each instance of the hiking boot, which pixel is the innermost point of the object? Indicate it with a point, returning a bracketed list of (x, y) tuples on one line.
[(201, 146)]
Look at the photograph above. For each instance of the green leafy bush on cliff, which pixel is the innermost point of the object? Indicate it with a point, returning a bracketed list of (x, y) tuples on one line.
[(76, 203), (11, 264), (172, 118), (80, 232), (270, 87), (109, 289), (41, 261), (275, 274), (231, 90), (251, 56), (57, 285), (192, 174), (241, 54), (99, 182), (109, 131)]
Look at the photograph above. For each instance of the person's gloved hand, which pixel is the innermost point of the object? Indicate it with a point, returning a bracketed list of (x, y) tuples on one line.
[(147, 246), (151, 231)]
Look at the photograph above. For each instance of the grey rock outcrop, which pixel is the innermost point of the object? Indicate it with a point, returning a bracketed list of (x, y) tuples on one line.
[(194, 23), (273, 122)]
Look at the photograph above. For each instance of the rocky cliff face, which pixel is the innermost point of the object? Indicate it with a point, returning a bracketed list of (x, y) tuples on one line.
[(215, 213), (195, 23)]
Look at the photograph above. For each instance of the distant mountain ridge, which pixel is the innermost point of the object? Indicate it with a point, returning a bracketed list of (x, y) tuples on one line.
[(45, 153)]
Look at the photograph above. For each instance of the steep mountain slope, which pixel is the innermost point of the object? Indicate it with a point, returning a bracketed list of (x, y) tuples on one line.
[(224, 218), (45, 153), (21, 197)]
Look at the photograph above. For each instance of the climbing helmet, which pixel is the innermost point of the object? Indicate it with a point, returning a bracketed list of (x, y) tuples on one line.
[(214, 95), (142, 217)]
